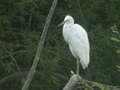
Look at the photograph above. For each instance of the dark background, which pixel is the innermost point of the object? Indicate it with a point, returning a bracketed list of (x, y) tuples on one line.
[(21, 24)]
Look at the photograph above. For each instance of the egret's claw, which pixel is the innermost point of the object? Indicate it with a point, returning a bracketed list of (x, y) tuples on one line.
[(72, 72)]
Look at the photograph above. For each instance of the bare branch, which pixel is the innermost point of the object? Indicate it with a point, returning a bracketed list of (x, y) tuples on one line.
[(40, 46), (77, 81), (72, 83)]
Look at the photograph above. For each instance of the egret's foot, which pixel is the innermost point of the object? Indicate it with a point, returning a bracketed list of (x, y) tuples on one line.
[(72, 72)]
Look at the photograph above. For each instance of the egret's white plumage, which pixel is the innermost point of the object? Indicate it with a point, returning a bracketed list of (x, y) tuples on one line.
[(77, 39)]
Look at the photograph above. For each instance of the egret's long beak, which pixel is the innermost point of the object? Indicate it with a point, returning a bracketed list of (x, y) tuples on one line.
[(61, 23)]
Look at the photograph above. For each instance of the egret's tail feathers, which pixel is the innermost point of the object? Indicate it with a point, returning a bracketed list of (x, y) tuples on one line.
[(84, 63)]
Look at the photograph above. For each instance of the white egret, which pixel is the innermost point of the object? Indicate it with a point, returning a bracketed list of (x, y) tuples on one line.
[(77, 39)]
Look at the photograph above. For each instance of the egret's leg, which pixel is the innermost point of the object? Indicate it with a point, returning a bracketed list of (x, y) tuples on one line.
[(78, 64)]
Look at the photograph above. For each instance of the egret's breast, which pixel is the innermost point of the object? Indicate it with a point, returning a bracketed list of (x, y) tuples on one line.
[(66, 32)]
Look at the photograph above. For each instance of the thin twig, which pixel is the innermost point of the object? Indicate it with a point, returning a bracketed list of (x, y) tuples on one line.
[(81, 13), (14, 53), (14, 60), (30, 20)]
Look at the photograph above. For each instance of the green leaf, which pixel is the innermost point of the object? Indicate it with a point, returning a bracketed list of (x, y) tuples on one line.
[(115, 39), (101, 87), (118, 51), (118, 66)]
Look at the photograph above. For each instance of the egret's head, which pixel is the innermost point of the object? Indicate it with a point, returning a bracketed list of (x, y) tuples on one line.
[(68, 20)]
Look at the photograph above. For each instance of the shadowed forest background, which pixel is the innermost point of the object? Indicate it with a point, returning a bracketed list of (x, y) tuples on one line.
[(21, 24)]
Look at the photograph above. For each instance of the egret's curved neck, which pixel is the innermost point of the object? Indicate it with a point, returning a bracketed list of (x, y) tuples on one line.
[(68, 24)]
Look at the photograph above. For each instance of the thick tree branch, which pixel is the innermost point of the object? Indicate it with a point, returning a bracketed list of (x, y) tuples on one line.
[(72, 83), (78, 82), (40, 46)]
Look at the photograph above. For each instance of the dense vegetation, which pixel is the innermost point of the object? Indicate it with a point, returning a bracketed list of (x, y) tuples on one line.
[(21, 24)]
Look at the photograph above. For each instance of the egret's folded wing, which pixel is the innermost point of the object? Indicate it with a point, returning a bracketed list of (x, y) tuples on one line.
[(79, 44)]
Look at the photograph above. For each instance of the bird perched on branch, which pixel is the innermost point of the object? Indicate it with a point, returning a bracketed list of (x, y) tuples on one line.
[(77, 39)]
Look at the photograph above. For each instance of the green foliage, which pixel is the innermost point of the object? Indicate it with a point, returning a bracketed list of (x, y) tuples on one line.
[(102, 87)]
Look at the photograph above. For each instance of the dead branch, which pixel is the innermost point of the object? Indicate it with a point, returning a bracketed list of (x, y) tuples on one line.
[(72, 83), (40, 46), (77, 81)]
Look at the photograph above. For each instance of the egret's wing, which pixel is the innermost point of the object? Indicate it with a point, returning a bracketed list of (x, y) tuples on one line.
[(79, 44)]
